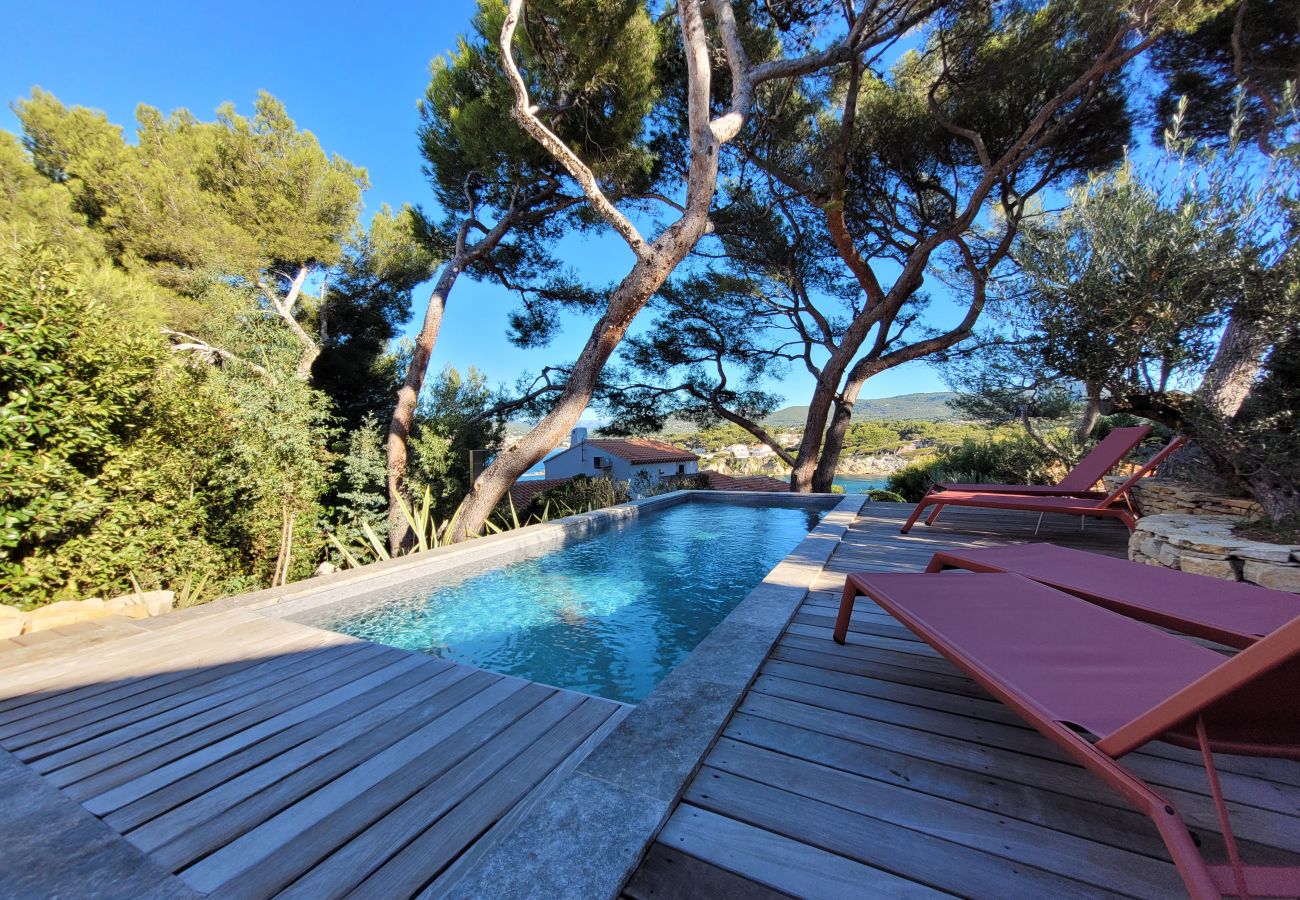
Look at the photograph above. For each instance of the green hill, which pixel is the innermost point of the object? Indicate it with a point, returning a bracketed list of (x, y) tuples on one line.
[(930, 406)]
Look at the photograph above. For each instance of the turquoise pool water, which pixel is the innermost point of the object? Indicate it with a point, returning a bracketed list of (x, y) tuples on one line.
[(609, 615), (857, 484)]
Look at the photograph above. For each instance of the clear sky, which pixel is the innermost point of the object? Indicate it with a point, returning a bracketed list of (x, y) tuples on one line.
[(349, 72)]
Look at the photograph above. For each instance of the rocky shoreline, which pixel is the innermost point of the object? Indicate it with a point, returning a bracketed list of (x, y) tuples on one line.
[(862, 465)]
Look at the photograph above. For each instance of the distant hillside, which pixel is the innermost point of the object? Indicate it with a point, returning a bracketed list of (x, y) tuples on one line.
[(931, 406)]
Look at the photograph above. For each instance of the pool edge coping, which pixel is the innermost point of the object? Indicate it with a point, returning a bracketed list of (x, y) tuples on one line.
[(587, 836), (383, 573)]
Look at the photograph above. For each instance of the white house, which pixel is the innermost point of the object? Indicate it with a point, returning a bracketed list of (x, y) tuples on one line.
[(621, 460), (738, 451)]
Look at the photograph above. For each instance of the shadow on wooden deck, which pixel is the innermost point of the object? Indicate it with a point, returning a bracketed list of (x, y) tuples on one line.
[(878, 768), (241, 755)]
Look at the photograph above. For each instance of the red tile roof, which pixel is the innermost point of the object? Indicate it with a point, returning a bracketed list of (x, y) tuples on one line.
[(642, 450), (523, 492), (720, 482)]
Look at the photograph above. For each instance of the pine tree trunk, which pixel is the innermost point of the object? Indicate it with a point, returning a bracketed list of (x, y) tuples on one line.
[(646, 277), (408, 395), (655, 262), (833, 446), (814, 427), (1235, 368)]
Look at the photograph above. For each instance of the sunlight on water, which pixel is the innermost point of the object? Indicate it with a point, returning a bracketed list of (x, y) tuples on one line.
[(610, 615)]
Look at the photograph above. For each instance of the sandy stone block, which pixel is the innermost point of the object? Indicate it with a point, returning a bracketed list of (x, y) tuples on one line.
[(143, 605), (128, 605), (11, 622), (64, 612), (1168, 556), (1225, 569), (1279, 578)]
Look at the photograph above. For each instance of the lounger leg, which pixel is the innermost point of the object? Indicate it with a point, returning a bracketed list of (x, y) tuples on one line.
[(1221, 808), (929, 520), (920, 508), (846, 611), (1038, 524)]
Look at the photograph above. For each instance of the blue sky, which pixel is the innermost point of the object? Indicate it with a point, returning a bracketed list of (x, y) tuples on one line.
[(350, 73)]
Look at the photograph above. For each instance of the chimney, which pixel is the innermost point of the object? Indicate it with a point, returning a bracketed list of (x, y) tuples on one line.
[(577, 436)]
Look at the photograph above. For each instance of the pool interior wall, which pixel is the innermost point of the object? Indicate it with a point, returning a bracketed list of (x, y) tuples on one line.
[(609, 613)]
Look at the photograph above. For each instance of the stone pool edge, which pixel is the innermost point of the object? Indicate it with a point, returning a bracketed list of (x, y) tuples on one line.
[(586, 837)]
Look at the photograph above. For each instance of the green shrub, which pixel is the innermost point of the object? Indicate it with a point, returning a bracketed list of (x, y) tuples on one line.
[(102, 449), (837, 489), (697, 481), (1009, 461), (877, 495), (579, 494)]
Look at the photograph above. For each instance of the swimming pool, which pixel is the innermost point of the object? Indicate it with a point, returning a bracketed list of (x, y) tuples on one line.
[(610, 614)]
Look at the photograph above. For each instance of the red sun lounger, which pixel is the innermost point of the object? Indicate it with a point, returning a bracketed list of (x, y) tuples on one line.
[(1079, 481), (1232, 613), (1114, 505), (1068, 667)]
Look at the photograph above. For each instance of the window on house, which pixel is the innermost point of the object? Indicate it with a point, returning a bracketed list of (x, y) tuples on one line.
[(681, 468), (597, 461)]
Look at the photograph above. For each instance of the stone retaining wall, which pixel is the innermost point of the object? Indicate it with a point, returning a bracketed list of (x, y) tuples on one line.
[(15, 622), (1205, 545), (1159, 496)]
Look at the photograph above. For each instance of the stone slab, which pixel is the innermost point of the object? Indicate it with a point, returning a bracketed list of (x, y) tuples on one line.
[(55, 848), (1279, 578)]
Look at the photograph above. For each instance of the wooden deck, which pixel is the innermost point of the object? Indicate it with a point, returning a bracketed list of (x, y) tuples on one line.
[(253, 757), (876, 768)]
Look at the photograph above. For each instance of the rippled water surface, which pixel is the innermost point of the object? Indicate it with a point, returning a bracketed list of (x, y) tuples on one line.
[(610, 615)]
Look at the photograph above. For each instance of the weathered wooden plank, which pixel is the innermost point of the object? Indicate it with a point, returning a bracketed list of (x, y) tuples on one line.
[(1058, 775), (1245, 791), (466, 861), (142, 652), (865, 648), (1096, 864), (864, 666), (778, 862), (14, 655), (979, 708), (862, 676), (867, 639), (1097, 819), (207, 687), (131, 779), (162, 737), (667, 873), (398, 809), (218, 817), (252, 849), (434, 849), (913, 855), (292, 746)]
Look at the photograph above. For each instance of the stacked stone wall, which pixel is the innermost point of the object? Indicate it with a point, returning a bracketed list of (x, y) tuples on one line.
[(1205, 545)]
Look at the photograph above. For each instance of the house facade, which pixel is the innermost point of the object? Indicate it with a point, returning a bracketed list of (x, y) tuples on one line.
[(620, 459)]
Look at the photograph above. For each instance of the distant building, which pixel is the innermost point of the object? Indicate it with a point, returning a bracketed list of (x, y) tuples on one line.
[(762, 450), (739, 451), (621, 460)]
